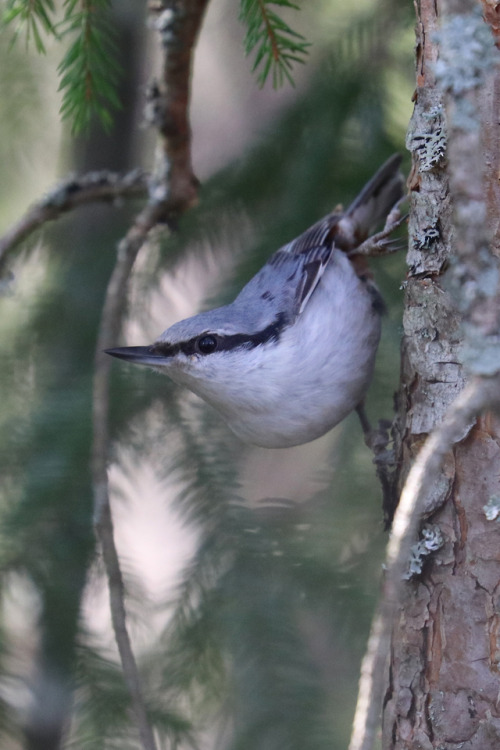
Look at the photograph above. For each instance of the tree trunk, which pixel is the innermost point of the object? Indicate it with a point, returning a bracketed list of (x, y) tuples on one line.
[(443, 682)]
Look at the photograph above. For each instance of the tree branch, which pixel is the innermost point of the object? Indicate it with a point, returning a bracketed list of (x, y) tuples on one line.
[(173, 190), (69, 194), (108, 332), (178, 25)]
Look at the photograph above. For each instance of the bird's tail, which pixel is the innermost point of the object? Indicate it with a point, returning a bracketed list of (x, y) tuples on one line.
[(378, 196)]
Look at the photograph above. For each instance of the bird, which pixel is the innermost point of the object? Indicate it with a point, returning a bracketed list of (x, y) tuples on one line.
[(294, 353)]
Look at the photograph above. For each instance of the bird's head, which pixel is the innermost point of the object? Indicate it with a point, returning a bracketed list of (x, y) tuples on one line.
[(209, 352)]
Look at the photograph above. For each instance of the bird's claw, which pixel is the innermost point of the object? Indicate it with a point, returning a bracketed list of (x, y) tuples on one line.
[(379, 243)]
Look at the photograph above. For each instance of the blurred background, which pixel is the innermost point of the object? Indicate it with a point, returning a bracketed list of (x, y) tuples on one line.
[(251, 574)]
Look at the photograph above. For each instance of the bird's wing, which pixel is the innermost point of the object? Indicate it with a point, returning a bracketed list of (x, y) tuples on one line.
[(309, 256), (286, 282)]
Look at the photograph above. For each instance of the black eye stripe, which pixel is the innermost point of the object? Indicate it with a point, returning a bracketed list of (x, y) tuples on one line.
[(224, 342)]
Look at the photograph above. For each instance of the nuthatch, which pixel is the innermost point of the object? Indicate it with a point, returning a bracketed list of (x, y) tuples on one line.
[(294, 353)]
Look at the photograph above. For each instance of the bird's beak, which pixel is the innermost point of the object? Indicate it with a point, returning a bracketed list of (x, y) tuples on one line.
[(138, 355)]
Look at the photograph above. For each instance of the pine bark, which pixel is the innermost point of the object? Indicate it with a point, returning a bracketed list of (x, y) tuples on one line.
[(443, 680)]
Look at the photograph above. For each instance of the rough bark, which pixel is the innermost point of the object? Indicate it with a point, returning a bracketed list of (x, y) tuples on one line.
[(443, 679)]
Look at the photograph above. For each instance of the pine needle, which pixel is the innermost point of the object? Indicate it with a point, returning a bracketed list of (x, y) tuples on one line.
[(89, 72), (278, 46)]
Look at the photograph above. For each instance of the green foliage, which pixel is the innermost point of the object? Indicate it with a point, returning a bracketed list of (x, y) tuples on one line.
[(33, 16), (88, 71), (259, 581), (268, 620), (278, 46)]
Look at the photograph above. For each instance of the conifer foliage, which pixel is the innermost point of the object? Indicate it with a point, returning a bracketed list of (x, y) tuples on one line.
[(88, 70), (258, 643), (278, 46)]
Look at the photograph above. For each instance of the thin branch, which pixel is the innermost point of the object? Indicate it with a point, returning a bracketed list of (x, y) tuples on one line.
[(367, 715), (178, 25), (109, 331), (172, 191), (69, 194), (269, 31)]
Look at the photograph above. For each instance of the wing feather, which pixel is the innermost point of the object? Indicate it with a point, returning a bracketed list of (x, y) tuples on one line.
[(287, 281), (309, 254)]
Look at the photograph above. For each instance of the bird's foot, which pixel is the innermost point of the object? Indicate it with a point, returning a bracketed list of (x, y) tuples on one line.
[(380, 243)]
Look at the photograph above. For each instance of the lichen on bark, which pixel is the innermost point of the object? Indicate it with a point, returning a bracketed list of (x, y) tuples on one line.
[(443, 678)]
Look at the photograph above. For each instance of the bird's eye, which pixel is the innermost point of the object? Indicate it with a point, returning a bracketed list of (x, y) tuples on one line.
[(206, 344)]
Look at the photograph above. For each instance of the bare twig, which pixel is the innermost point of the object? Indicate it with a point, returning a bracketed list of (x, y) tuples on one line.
[(172, 191), (109, 330), (73, 192), (367, 715)]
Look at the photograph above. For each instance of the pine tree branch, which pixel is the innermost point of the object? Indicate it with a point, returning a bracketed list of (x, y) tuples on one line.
[(178, 26), (73, 192), (278, 46), (172, 191), (269, 31), (34, 17), (89, 71)]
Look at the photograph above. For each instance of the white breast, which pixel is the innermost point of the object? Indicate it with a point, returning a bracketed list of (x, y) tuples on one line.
[(292, 391)]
